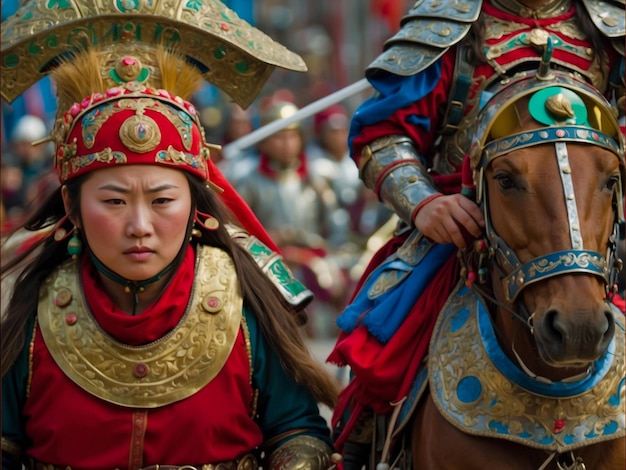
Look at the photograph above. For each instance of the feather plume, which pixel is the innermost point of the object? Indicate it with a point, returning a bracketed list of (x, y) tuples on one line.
[(77, 77), (177, 75), (88, 71)]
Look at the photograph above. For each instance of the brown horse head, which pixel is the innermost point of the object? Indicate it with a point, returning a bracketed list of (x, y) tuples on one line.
[(548, 168)]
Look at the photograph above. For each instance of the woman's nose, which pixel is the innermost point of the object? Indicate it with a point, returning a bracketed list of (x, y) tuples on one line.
[(139, 223)]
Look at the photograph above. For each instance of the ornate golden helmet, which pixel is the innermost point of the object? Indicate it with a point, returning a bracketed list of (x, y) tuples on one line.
[(124, 72)]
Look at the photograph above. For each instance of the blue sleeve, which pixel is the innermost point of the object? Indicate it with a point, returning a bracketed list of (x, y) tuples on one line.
[(283, 405), (394, 92), (13, 399)]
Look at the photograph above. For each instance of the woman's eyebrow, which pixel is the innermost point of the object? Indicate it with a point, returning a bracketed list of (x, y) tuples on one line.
[(123, 189)]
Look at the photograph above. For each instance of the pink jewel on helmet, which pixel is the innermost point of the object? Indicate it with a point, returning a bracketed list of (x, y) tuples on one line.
[(114, 91), (74, 109)]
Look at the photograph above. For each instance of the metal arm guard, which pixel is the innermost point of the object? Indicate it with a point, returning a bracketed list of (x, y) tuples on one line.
[(301, 453), (272, 264), (391, 167)]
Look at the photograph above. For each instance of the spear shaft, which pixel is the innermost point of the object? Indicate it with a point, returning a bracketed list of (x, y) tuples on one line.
[(232, 149)]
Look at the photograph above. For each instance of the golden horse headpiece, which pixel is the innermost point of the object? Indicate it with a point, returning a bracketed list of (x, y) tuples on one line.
[(564, 108), (124, 72)]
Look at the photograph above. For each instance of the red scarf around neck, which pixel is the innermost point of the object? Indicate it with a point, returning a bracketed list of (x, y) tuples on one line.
[(151, 324), (265, 167)]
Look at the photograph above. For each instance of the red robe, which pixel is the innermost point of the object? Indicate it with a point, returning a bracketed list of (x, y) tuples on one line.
[(133, 437)]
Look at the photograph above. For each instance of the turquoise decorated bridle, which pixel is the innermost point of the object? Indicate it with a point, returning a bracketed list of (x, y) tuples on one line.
[(572, 112)]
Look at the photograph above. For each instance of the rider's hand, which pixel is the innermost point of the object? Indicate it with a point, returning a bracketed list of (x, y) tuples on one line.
[(448, 219)]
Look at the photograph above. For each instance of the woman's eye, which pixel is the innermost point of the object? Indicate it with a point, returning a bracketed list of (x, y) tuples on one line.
[(162, 200), (115, 202)]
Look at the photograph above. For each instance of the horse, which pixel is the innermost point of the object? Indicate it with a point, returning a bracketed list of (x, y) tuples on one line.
[(544, 383), (525, 366)]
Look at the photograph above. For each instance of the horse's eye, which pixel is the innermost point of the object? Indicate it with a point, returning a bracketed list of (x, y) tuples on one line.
[(611, 183), (505, 181)]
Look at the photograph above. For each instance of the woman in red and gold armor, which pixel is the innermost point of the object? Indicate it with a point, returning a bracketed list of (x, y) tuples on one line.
[(153, 327)]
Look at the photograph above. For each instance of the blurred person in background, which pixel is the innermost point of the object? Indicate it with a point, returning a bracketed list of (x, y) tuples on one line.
[(329, 157), (363, 213), (24, 164), (299, 209), (238, 122)]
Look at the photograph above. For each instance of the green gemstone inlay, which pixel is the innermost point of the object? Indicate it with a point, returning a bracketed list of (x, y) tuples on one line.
[(292, 285), (220, 52), (58, 4), (12, 60), (115, 77), (194, 5), (126, 6), (242, 67), (258, 249), (143, 75), (34, 48), (52, 41)]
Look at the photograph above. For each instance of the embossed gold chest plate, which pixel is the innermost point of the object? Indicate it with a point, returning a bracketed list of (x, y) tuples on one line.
[(156, 374)]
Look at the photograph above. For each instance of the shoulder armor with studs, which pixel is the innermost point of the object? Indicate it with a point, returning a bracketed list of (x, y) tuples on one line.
[(426, 33), (608, 16), (275, 268)]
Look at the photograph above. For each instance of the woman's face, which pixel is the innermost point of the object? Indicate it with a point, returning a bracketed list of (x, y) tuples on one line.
[(135, 217)]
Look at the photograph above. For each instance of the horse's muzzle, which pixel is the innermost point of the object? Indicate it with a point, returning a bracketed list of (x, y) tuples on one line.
[(573, 338)]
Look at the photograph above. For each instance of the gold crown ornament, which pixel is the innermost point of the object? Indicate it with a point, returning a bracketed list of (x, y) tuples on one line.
[(228, 52), (124, 72)]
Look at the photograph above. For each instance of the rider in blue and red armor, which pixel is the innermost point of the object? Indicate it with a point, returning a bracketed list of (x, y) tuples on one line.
[(409, 145)]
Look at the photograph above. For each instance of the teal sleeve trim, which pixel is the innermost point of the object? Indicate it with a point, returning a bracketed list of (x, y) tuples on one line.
[(283, 405), (14, 385)]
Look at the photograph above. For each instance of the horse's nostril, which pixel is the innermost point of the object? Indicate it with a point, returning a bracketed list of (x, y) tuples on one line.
[(552, 326), (610, 328)]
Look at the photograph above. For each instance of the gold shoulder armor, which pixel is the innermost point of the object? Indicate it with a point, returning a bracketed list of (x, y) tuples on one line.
[(426, 33), (275, 268)]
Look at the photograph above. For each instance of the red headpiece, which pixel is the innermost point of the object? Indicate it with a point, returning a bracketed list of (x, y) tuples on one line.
[(129, 125)]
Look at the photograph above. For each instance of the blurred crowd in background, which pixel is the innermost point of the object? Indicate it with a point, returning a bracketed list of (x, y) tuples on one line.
[(300, 182)]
